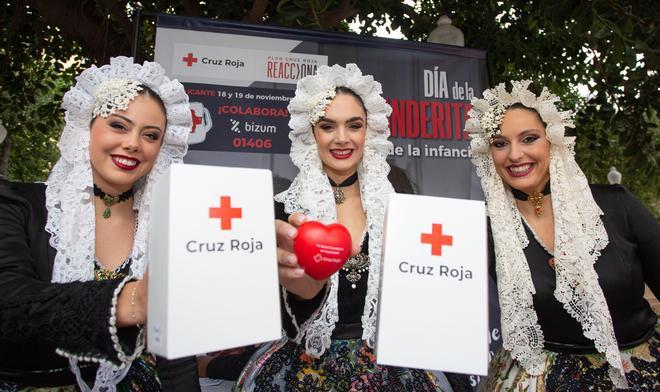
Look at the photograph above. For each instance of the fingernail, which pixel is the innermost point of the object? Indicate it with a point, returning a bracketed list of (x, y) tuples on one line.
[(291, 233), (299, 272), (291, 259)]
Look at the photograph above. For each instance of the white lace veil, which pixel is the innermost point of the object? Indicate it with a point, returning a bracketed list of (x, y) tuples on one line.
[(579, 233), (311, 193), (69, 197)]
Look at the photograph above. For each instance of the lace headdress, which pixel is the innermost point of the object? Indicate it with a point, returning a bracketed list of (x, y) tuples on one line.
[(579, 233), (311, 193), (69, 198)]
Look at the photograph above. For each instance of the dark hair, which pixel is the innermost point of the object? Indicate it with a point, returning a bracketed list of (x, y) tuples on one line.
[(346, 90), (151, 93), (519, 105), (400, 180)]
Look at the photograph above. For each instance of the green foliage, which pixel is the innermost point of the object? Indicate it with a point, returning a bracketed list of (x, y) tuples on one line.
[(31, 115), (32, 82), (607, 48)]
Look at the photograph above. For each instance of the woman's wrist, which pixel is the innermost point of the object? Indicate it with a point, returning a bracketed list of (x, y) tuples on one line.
[(131, 305)]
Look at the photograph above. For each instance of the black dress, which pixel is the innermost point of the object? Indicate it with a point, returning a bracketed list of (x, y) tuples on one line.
[(631, 259), (37, 316)]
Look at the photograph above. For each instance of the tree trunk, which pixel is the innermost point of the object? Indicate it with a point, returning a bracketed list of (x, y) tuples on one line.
[(4, 157)]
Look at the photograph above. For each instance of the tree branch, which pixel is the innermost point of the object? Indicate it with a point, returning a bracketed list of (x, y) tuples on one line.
[(75, 23), (192, 8), (257, 12), (331, 18), (16, 16), (603, 75), (119, 13), (4, 156)]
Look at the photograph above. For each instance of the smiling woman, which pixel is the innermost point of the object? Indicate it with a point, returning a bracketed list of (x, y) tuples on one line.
[(570, 259), (73, 281)]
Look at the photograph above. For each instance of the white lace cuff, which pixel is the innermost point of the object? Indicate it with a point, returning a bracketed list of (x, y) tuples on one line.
[(300, 330)]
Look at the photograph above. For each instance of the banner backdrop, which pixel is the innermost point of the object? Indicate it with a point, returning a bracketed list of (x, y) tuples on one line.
[(240, 78)]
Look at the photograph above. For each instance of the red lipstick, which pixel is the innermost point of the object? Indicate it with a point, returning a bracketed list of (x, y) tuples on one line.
[(124, 162), (342, 153)]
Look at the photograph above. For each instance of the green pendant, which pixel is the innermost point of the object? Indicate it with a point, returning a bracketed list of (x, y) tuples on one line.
[(109, 201)]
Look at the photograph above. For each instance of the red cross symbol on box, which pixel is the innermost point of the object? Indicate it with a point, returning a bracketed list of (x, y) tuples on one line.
[(189, 59), (437, 240), (225, 213), (196, 120)]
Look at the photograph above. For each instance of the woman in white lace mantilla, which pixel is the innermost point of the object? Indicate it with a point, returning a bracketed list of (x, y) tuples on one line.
[(570, 259), (73, 253), (339, 131)]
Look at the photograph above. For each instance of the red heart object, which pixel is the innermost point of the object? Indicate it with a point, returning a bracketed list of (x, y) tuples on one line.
[(322, 250)]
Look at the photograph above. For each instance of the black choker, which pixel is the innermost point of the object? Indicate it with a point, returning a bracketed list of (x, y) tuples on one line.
[(109, 201), (536, 198), (336, 188)]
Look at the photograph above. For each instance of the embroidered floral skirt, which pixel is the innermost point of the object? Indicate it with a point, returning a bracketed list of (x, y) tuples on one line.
[(348, 365), (570, 372)]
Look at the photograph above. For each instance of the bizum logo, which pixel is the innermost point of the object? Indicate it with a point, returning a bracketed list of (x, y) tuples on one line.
[(251, 127), (234, 125)]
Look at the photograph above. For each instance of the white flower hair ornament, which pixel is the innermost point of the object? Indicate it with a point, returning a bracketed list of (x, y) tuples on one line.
[(100, 92), (311, 192), (579, 233), (487, 113), (319, 102), (115, 95)]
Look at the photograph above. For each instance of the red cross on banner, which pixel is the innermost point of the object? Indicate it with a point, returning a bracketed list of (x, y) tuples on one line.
[(189, 59), (437, 240), (196, 120), (225, 213)]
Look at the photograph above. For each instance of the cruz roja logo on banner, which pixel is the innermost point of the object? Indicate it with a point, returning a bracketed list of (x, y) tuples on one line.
[(190, 59), (437, 239), (202, 124), (227, 214)]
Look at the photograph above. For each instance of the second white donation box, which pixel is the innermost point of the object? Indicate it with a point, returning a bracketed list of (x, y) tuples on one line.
[(433, 309), (212, 261)]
